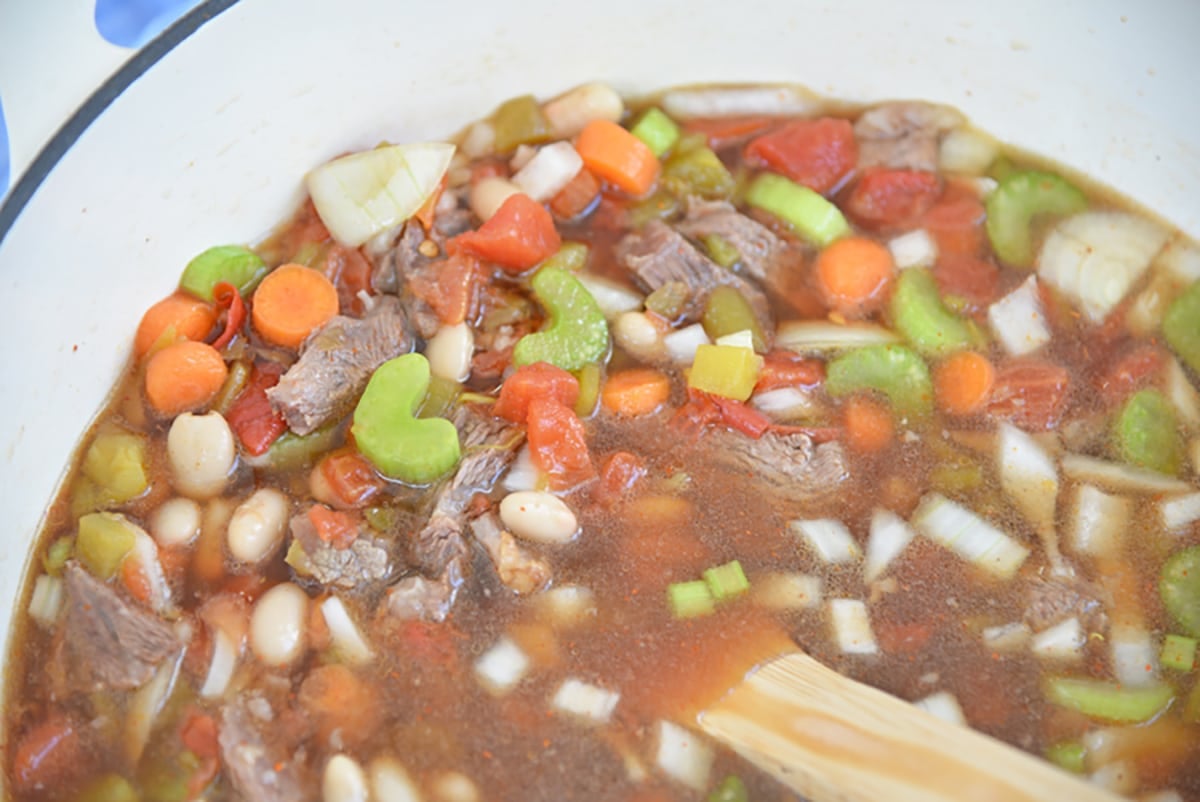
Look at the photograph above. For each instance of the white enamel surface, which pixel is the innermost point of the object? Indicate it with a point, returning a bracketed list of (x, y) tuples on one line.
[(207, 148)]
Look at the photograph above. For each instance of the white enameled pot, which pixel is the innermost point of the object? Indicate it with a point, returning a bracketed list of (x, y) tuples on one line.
[(208, 144)]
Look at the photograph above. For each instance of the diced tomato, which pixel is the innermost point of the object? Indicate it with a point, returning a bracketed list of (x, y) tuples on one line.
[(558, 443), (972, 278), (199, 733), (252, 418), (492, 363), (903, 637), (705, 409), (891, 198), (956, 220), (338, 529), (1030, 393), (530, 382), (815, 153), (786, 369), (430, 643), (1129, 372), (621, 471), (48, 755), (350, 272), (351, 477), (450, 287), (577, 196), (519, 235), (722, 132), (229, 300)]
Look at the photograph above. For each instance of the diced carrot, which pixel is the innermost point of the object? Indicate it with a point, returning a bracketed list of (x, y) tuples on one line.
[(621, 471), (963, 383), (353, 480), (519, 235), (854, 274), (724, 131), (337, 700), (815, 153), (531, 382), (869, 425), (892, 198), (1030, 393), (617, 156), (290, 302), (135, 580), (189, 318), (252, 417), (184, 376), (558, 443), (635, 392), (577, 196), (450, 287), (428, 209), (47, 755), (338, 529), (786, 369)]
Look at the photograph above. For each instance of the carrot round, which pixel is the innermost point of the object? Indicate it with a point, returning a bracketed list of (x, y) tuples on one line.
[(184, 376), (191, 318), (963, 383), (292, 301), (853, 274), (869, 425), (617, 156), (635, 392)]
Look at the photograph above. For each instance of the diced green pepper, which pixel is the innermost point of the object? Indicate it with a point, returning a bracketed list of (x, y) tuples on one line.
[(1181, 327), (235, 382), (726, 312), (731, 789), (721, 251), (1067, 755), (234, 264), (114, 471), (669, 301), (1145, 433), (571, 256), (657, 130), (103, 540), (57, 555), (1179, 652), (729, 371), (659, 206), (1109, 701), (589, 390), (894, 370), (381, 518), (108, 788), (690, 599), (577, 334), (520, 122), (697, 171), (440, 398), (1179, 587), (726, 581), (1014, 204), (919, 314), (293, 451), (388, 433), (812, 216)]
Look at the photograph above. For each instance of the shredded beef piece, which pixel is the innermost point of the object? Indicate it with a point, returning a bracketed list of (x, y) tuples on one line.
[(903, 136), (393, 268), (1053, 600), (517, 568), (416, 597), (364, 562), (259, 765), (788, 466), (764, 256)]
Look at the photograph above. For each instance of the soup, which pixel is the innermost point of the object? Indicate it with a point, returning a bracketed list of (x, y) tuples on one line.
[(450, 488)]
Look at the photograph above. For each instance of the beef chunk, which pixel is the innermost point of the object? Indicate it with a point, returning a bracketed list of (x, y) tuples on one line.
[(517, 569), (359, 565), (393, 268), (1053, 600), (763, 255), (903, 136), (416, 597), (260, 766), (788, 466), (109, 642), (336, 363)]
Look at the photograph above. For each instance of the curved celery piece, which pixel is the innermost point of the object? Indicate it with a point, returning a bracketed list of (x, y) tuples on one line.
[(1020, 197), (577, 334), (894, 370), (697, 171), (571, 256), (1179, 587), (920, 316), (237, 265), (388, 433), (1146, 435), (1181, 326), (1108, 700), (657, 130), (813, 217)]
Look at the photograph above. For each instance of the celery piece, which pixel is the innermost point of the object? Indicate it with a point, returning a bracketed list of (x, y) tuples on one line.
[(730, 789), (690, 599), (1108, 700), (726, 581), (721, 251), (1179, 652), (102, 542), (1181, 326), (1179, 587), (659, 206), (697, 171), (400, 445), (57, 555), (726, 312), (1145, 433), (894, 370), (669, 301), (657, 130), (920, 316), (589, 390), (440, 398), (235, 382), (233, 264), (577, 334), (1067, 755), (293, 451), (1001, 168), (520, 122), (957, 477), (571, 256), (115, 463), (1191, 706), (814, 218), (1014, 204), (725, 370), (108, 788)]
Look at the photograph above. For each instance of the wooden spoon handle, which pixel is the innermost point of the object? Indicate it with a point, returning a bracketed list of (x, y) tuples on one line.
[(836, 740)]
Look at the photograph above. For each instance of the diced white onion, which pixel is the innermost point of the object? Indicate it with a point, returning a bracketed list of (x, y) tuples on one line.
[(568, 605), (221, 666), (782, 590), (569, 113), (1006, 637), (1179, 512), (175, 522), (819, 336), (360, 195), (1134, 656), (391, 782), (829, 539), (585, 701), (613, 299), (454, 786), (501, 667), (521, 157), (347, 639), (1094, 258), (344, 781), (523, 474), (1182, 393), (46, 601), (538, 516), (943, 705), (914, 249), (1017, 320), (971, 537), (682, 344), (479, 140), (1117, 476), (738, 339), (851, 627), (785, 403), (1028, 476), (1098, 521), (888, 537), (551, 168), (449, 352), (1146, 310), (1062, 642), (735, 101), (1181, 258), (966, 151), (684, 756), (487, 195)]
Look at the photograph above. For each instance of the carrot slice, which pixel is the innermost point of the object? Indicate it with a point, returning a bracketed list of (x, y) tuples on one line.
[(869, 425), (635, 392), (191, 318), (617, 156), (963, 383), (853, 274), (292, 301), (183, 377)]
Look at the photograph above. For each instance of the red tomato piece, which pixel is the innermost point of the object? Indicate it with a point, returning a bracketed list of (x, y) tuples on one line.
[(815, 153), (338, 529), (1030, 393), (252, 418), (450, 287), (351, 477), (519, 235), (621, 471), (558, 442), (350, 273), (530, 382), (956, 221), (891, 198), (1129, 372), (786, 369), (975, 280)]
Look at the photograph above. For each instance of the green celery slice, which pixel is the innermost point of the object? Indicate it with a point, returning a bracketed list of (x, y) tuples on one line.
[(234, 264), (919, 314), (1179, 587), (894, 370), (577, 334), (1020, 197), (1146, 433), (1108, 700), (690, 599), (814, 218), (1181, 326), (657, 130)]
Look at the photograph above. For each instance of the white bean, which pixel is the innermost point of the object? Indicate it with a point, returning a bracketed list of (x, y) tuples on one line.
[(277, 624), (637, 334), (449, 352), (569, 113), (489, 194), (480, 140), (257, 526), (390, 782), (201, 451), (175, 522), (454, 786), (344, 780), (538, 516)]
